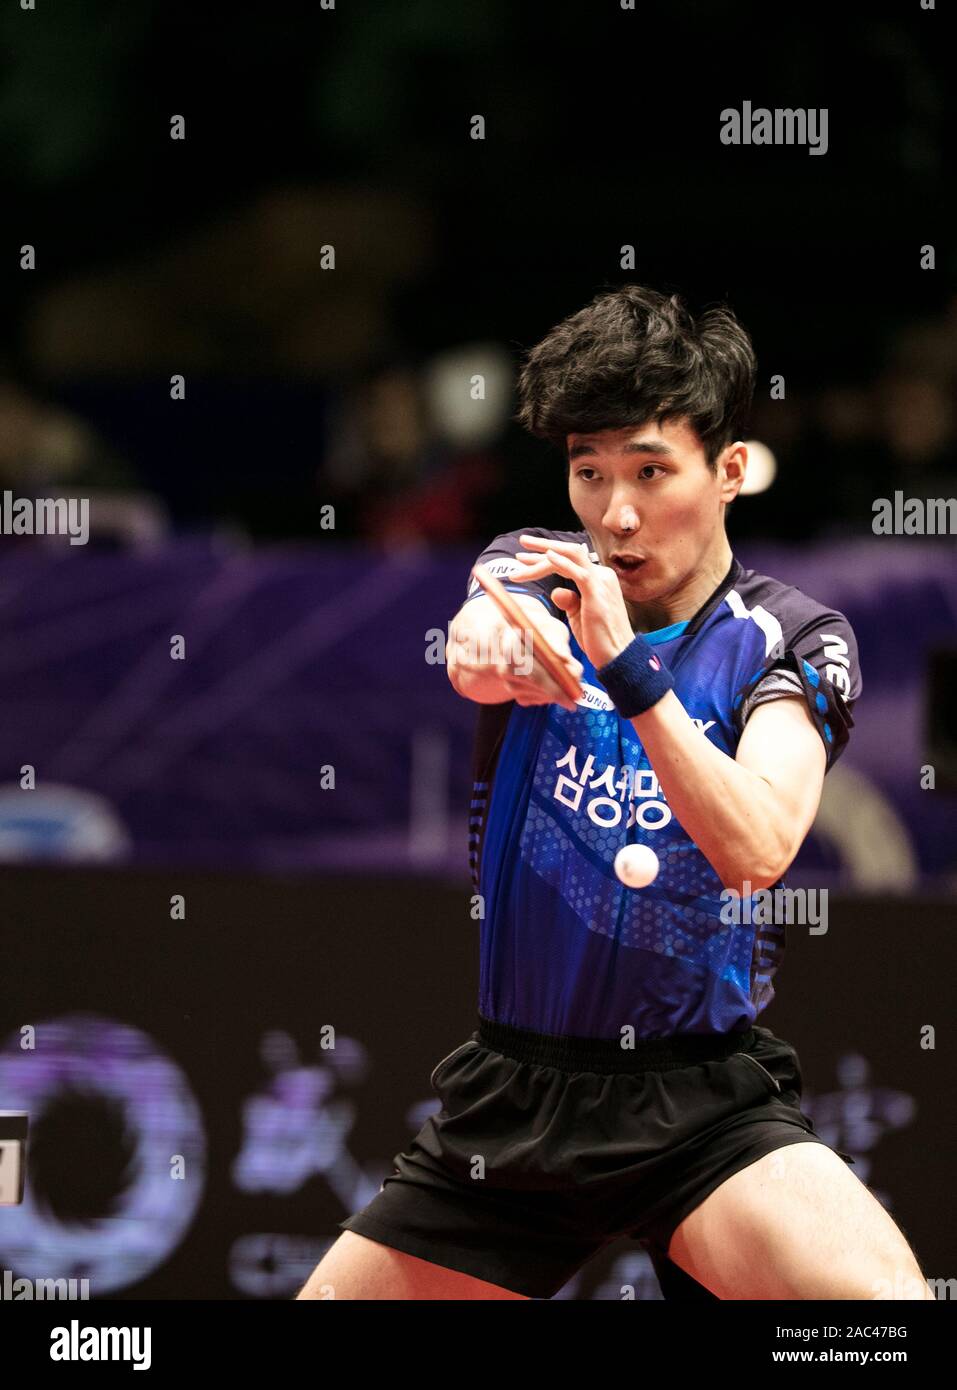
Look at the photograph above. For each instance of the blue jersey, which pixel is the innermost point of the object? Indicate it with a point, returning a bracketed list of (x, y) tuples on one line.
[(567, 949)]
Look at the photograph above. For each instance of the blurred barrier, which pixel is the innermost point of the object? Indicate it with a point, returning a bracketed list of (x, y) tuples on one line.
[(287, 708), (209, 1096)]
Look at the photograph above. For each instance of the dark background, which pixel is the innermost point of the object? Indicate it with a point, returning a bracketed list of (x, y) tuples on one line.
[(351, 127)]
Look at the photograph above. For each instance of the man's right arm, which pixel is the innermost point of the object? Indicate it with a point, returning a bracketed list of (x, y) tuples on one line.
[(491, 663)]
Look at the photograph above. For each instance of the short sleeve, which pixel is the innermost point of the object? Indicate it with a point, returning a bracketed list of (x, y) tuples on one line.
[(778, 684), (822, 665), (499, 559)]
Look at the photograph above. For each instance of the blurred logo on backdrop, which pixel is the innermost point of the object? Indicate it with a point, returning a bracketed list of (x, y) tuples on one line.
[(58, 822), (116, 1164), (296, 1128), (297, 1125)]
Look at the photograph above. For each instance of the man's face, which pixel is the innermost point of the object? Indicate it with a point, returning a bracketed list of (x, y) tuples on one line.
[(650, 503)]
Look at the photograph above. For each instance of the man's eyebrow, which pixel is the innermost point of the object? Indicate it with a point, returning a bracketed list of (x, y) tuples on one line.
[(639, 446)]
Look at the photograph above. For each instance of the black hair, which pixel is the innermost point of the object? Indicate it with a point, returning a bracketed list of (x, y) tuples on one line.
[(633, 355)]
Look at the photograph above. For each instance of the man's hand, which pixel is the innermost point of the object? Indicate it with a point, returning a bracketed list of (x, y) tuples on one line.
[(596, 614), (489, 662)]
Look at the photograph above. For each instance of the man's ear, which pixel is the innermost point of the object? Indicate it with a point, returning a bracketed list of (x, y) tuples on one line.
[(733, 466)]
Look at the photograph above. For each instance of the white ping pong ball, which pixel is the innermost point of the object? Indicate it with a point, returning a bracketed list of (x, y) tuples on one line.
[(636, 865)]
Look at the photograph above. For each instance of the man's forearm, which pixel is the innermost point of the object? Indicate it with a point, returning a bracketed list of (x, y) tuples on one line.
[(731, 813)]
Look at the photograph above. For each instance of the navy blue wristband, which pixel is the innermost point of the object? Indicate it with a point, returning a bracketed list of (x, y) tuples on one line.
[(637, 678)]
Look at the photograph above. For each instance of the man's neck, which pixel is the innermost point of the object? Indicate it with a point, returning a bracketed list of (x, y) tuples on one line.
[(684, 601)]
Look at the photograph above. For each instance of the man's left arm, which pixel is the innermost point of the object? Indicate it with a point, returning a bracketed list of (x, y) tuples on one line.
[(749, 815)]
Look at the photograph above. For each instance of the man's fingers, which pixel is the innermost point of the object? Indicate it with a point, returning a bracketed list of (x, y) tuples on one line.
[(581, 571), (514, 660), (561, 557), (533, 567), (540, 543), (566, 599), (538, 692), (532, 681)]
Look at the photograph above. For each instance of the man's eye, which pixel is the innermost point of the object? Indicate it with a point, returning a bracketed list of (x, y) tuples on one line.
[(581, 472), (654, 467)]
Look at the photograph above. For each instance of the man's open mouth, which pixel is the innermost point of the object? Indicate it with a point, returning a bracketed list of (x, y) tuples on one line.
[(626, 564)]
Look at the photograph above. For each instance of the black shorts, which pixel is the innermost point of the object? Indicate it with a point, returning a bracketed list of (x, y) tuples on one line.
[(547, 1149)]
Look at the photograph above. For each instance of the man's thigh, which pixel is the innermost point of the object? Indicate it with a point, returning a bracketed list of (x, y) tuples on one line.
[(358, 1268), (796, 1224)]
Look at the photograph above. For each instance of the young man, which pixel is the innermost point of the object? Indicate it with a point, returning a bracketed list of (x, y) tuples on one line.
[(617, 1083)]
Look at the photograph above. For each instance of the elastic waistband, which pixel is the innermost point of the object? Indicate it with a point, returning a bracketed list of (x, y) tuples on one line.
[(610, 1054)]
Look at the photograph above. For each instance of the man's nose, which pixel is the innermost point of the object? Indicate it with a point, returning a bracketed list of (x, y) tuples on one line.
[(621, 517)]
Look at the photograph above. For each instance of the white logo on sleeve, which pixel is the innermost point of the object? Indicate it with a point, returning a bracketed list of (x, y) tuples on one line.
[(838, 669), (501, 569)]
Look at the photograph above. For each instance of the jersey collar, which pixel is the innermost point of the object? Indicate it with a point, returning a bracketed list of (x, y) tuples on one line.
[(735, 571)]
